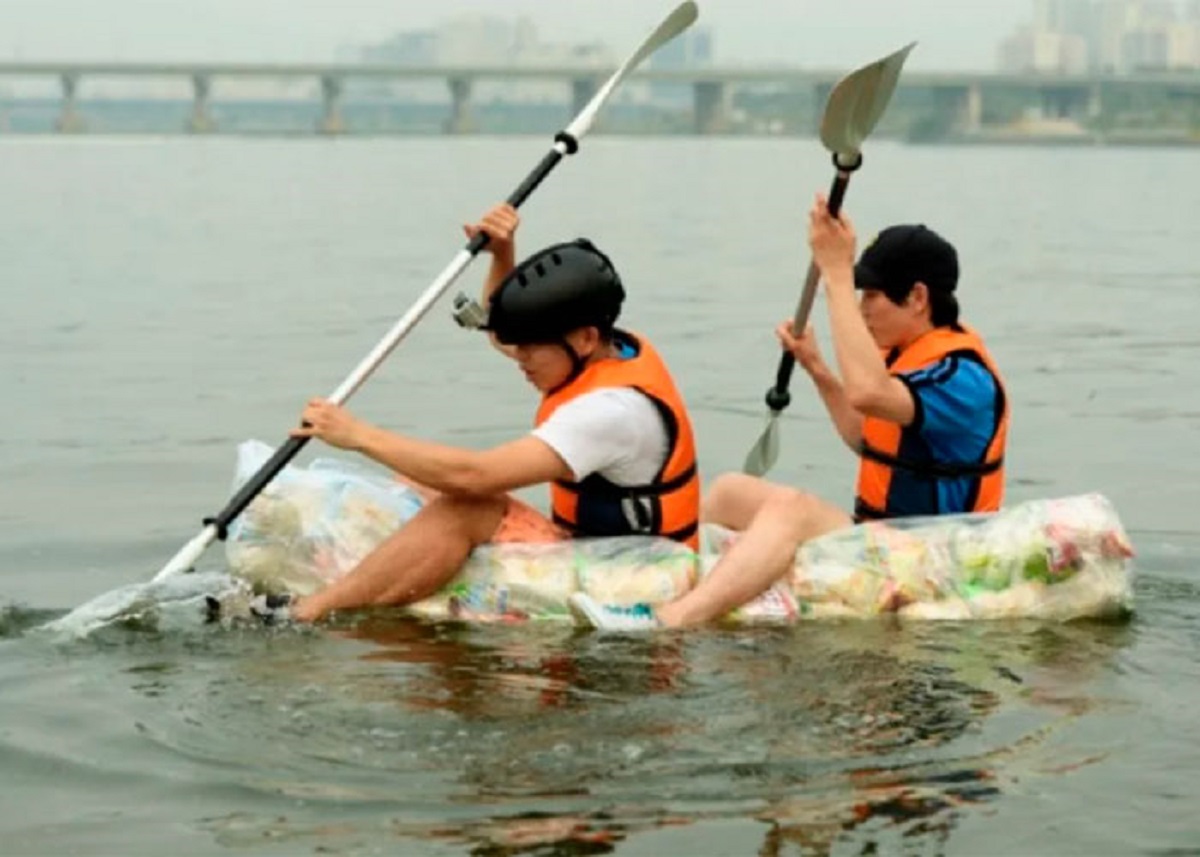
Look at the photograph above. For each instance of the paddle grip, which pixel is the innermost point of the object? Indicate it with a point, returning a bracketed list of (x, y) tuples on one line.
[(548, 163), (524, 189), (840, 181), (778, 396), (246, 494)]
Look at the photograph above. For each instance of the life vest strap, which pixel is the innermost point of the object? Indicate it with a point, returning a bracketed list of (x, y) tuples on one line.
[(680, 535), (864, 511), (603, 487), (931, 469)]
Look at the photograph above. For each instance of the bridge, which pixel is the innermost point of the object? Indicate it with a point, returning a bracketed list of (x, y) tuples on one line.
[(959, 96)]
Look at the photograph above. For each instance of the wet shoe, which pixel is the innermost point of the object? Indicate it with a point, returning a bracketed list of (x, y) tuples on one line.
[(272, 609), (612, 617)]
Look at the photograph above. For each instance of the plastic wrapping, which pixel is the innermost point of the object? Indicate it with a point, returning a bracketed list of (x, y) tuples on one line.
[(515, 582), (1061, 559), (1055, 559), (312, 524)]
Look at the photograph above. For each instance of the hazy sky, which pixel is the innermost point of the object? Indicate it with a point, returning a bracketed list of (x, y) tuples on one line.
[(953, 34)]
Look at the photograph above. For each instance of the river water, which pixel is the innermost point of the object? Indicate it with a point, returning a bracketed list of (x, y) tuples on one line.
[(165, 299)]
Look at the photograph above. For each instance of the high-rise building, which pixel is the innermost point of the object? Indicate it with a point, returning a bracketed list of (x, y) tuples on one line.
[(1068, 17), (687, 50), (1028, 50), (691, 49), (1105, 36), (485, 40)]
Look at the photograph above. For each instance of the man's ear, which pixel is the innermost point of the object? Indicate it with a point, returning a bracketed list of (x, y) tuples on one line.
[(919, 296), (585, 340)]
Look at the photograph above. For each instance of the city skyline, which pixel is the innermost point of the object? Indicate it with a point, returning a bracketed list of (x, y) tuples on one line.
[(792, 32), (1081, 36), (1046, 36)]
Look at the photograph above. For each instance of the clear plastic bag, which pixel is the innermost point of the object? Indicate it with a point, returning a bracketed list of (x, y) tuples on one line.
[(312, 524), (1061, 559), (509, 582), (1056, 559)]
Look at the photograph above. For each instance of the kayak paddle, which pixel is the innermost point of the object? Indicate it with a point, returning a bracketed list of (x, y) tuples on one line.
[(854, 107)]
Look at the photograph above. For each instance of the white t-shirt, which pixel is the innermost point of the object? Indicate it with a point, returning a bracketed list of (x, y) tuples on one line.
[(615, 431)]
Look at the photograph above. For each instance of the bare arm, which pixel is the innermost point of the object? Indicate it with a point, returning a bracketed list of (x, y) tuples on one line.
[(500, 224), (466, 472), (448, 469), (867, 385), (846, 420)]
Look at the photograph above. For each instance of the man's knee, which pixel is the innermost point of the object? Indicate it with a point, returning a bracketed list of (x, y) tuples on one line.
[(472, 518), (717, 496), (731, 497), (790, 504), (803, 513)]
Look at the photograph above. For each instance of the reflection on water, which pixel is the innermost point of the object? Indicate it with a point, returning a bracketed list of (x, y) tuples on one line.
[(501, 673), (829, 737), (850, 737)]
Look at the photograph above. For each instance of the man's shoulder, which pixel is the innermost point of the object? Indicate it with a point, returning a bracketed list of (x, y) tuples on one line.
[(611, 408), (609, 398), (962, 377)]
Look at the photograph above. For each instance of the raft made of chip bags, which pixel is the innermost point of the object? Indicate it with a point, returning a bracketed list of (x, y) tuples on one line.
[(1056, 559)]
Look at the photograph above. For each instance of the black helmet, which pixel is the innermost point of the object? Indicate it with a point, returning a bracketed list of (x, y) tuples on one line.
[(554, 291)]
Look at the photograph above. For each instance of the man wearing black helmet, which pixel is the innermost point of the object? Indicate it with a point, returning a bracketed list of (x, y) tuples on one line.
[(917, 396), (612, 439)]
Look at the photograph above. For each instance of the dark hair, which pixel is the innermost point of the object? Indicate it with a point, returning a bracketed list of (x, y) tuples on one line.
[(902, 256), (943, 306)]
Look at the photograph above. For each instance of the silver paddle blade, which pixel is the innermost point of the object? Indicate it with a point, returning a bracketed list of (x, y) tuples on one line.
[(683, 16), (765, 452), (858, 101)]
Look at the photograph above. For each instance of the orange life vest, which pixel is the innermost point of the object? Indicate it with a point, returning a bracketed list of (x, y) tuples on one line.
[(882, 441), (669, 505)]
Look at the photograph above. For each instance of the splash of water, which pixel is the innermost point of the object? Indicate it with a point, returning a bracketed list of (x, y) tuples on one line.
[(183, 601)]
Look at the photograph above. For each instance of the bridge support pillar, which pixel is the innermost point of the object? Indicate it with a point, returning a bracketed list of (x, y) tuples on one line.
[(960, 108), (972, 110), (1095, 102), (331, 92), (821, 93), (460, 121), (201, 120), (583, 90), (69, 119), (1070, 102), (711, 104)]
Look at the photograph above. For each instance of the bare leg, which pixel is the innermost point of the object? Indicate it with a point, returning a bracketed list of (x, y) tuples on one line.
[(781, 520), (416, 561), (734, 499)]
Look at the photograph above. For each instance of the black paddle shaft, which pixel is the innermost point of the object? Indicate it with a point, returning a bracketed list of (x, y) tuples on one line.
[(778, 396), (271, 467), (527, 187)]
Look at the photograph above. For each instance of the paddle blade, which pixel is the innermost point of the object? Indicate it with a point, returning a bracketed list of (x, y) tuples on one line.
[(765, 452), (858, 101), (682, 17)]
